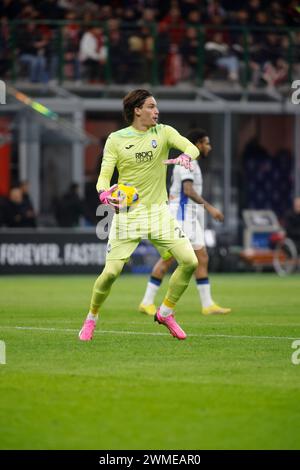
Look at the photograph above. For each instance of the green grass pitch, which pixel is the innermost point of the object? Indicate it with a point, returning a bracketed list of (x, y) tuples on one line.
[(230, 385)]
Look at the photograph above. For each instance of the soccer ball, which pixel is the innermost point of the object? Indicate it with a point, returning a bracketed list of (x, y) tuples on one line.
[(128, 194)]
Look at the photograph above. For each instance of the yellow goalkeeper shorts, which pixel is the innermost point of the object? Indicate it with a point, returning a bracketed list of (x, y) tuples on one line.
[(155, 224)]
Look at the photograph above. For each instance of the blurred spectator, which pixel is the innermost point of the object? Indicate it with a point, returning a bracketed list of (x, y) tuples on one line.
[(69, 208), (106, 13), (149, 45), (220, 54), (261, 19), (34, 51), (194, 18), (176, 25), (216, 25), (71, 41), (253, 7), (129, 15), (275, 67), (292, 222), (16, 214), (190, 52), (275, 73), (215, 8), (148, 17), (174, 66), (240, 18), (163, 48), (117, 54), (93, 53), (136, 61)]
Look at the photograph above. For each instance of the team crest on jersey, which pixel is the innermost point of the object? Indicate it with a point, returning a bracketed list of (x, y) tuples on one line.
[(154, 143)]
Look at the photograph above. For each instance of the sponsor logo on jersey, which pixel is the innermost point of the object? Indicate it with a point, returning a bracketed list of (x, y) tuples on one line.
[(129, 147), (142, 157), (154, 143)]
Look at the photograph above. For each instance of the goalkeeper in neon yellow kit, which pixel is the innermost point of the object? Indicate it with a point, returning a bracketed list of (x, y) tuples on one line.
[(139, 152)]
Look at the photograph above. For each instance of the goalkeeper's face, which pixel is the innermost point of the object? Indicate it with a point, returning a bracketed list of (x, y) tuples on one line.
[(148, 113)]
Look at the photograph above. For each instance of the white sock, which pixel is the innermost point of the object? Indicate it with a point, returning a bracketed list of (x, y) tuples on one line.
[(203, 287), (165, 311), (91, 316), (152, 288)]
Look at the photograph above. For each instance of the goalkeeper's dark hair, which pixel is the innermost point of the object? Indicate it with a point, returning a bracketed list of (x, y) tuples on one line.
[(134, 99), (196, 135)]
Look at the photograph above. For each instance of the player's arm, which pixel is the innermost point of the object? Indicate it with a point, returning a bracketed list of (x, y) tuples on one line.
[(107, 168), (189, 191), (108, 165), (177, 141)]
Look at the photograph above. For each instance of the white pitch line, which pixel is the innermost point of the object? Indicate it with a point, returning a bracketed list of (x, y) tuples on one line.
[(120, 332)]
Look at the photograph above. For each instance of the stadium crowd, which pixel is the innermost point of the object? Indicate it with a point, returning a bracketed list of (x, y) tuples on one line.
[(128, 35)]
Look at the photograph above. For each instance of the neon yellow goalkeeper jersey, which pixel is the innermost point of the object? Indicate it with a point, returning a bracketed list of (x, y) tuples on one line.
[(138, 156)]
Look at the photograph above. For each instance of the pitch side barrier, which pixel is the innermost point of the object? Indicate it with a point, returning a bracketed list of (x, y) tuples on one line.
[(64, 251), (51, 251)]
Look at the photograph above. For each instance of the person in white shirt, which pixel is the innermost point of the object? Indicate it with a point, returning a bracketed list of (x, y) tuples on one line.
[(93, 52), (186, 204)]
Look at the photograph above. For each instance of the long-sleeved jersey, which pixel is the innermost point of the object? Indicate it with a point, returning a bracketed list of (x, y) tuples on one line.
[(139, 156)]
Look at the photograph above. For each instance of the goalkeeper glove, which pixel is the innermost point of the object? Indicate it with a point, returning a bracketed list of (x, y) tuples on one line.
[(106, 198), (183, 160)]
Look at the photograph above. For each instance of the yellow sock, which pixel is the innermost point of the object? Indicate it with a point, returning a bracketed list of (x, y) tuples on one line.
[(94, 311), (168, 303)]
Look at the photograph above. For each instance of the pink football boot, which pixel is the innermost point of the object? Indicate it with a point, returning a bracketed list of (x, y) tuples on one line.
[(171, 324), (86, 332)]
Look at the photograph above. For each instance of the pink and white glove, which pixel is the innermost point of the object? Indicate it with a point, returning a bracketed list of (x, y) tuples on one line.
[(106, 198), (183, 160)]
